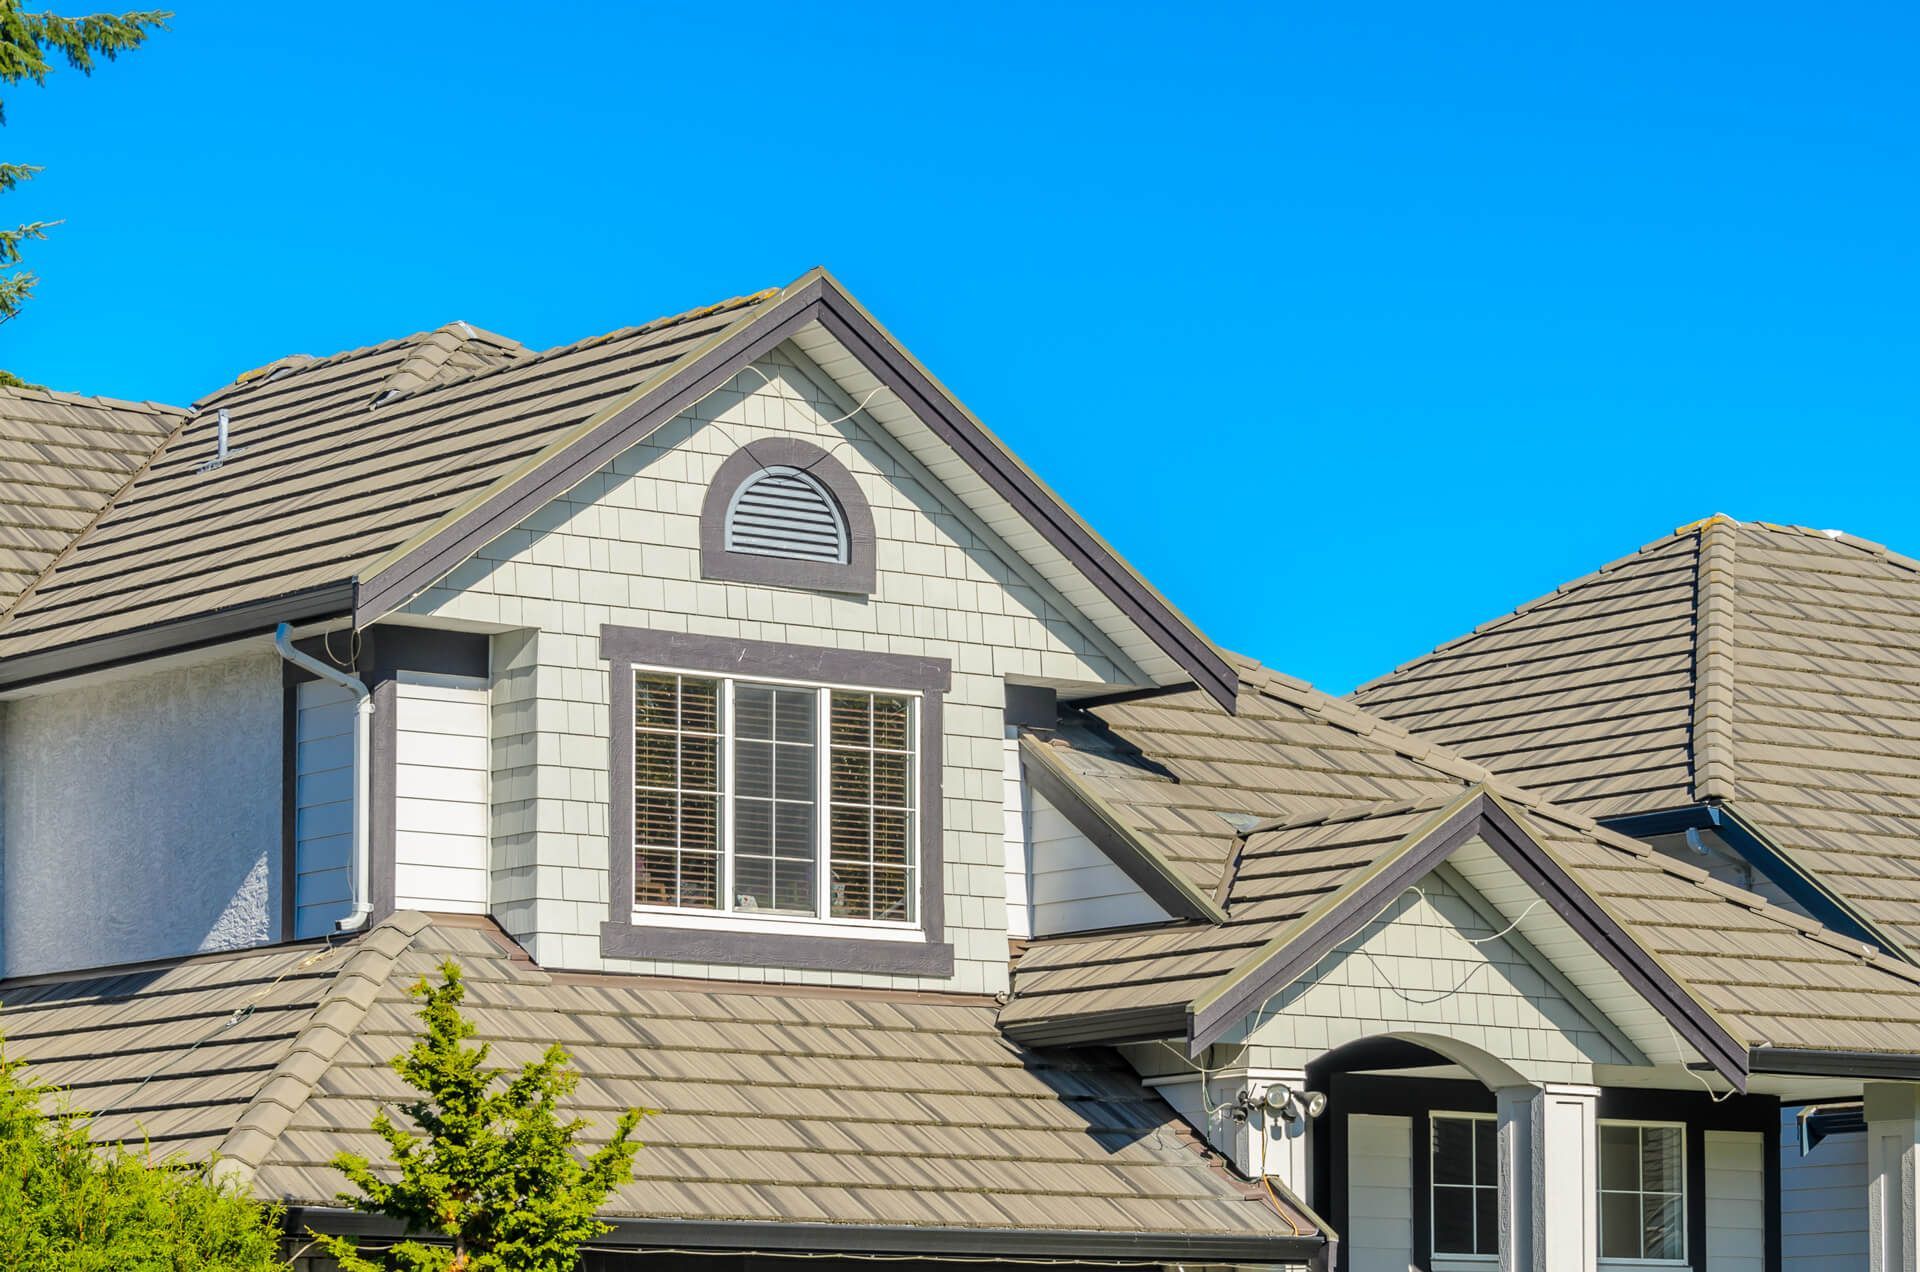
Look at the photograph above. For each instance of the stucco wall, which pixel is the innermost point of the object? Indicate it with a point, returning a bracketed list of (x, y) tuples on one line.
[(141, 817), (623, 548)]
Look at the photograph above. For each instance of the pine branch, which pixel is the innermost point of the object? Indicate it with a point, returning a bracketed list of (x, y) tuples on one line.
[(26, 39)]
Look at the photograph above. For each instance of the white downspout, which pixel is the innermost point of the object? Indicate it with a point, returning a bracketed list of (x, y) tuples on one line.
[(362, 768)]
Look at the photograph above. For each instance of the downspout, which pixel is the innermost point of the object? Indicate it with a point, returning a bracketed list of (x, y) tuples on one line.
[(362, 768)]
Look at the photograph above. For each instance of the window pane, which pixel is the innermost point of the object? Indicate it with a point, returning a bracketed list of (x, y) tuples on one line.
[(676, 779), (1452, 1150), (852, 723), (1486, 1220), (1660, 1159), (1619, 1225), (892, 895), (891, 718), (871, 786), (890, 844), (1620, 1157), (773, 799), (1486, 1151), (889, 780), (852, 776), (1453, 1220), (1665, 1226)]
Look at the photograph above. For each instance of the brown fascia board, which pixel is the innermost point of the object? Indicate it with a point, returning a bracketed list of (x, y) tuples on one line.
[(814, 298), (250, 618), (1089, 815), (1484, 816), (1864, 1065)]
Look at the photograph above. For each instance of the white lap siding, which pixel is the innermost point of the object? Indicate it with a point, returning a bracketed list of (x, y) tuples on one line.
[(1076, 886), (1736, 1201), (1823, 1202), (440, 795), (1379, 1193), (323, 807)]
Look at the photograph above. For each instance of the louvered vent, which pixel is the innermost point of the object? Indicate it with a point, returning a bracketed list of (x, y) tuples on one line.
[(783, 512)]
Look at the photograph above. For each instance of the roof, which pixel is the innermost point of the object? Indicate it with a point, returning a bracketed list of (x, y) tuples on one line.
[(1345, 795), (62, 459), (341, 460), (362, 479), (1771, 669), (857, 1110)]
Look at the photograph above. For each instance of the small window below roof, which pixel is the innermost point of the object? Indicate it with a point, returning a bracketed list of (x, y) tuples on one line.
[(785, 513)]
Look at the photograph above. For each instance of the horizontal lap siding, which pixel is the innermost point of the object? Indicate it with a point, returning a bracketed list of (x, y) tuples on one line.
[(323, 807), (1379, 1193), (1823, 1202), (440, 797), (1076, 886), (1736, 1201)]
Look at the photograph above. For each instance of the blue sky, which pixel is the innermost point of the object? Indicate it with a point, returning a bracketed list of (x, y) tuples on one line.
[(1351, 326)]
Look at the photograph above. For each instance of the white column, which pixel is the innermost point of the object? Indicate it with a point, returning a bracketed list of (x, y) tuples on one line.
[(1893, 1180), (1549, 1218)]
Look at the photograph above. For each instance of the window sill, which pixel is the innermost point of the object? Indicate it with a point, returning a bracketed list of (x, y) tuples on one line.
[(776, 923), (764, 941)]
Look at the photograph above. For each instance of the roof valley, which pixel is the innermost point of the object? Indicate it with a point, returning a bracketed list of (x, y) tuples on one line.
[(1713, 687)]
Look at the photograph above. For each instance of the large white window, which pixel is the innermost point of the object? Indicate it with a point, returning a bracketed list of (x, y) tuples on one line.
[(1466, 1185), (1643, 1192), (774, 799)]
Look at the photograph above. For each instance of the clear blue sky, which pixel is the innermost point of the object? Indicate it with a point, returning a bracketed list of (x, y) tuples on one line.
[(1351, 326)]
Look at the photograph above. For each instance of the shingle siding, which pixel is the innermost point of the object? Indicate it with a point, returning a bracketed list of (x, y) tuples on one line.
[(623, 548)]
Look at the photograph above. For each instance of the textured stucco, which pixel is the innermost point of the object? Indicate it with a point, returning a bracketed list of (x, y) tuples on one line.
[(141, 817), (624, 548)]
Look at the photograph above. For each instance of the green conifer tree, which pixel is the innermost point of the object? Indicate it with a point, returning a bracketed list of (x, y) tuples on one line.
[(69, 1205), (27, 42), (492, 1178)]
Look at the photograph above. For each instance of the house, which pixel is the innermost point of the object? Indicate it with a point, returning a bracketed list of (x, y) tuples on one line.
[(739, 712)]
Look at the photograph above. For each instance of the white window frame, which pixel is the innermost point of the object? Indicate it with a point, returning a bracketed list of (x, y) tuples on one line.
[(822, 922), (1446, 1260), (1686, 1236)]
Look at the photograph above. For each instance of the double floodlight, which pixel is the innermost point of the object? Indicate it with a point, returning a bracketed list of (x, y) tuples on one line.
[(1281, 1100)]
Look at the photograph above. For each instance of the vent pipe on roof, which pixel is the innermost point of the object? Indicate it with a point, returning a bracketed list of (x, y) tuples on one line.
[(362, 767), (220, 439)]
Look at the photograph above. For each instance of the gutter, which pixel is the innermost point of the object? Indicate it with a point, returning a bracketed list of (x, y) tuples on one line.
[(362, 769), (933, 1243), (1825, 1063)]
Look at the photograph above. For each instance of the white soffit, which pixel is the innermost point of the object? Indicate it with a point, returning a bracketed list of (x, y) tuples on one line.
[(995, 513)]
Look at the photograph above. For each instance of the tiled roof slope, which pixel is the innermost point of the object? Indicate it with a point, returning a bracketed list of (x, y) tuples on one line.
[(1173, 769), (775, 1105), (341, 460), (1585, 695), (1771, 977), (1772, 668), (62, 457)]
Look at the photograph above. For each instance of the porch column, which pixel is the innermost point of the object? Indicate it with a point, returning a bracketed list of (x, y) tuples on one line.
[(1893, 1176), (1548, 1173)]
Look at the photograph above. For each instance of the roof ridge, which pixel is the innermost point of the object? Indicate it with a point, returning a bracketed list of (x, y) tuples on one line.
[(341, 1011), (432, 349), (65, 398), (1710, 744)]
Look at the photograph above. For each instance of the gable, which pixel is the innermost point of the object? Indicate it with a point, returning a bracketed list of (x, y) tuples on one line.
[(1438, 962), (1074, 885)]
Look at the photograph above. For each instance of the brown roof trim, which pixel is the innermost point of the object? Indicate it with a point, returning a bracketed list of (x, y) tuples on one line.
[(819, 1239), (329, 600), (814, 298), (1091, 817), (1484, 815), (1798, 1062)]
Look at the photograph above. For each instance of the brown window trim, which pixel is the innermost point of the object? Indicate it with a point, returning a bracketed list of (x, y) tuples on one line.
[(855, 575), (620, 937)]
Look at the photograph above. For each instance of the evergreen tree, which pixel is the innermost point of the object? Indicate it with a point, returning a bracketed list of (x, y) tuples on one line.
[(493, 1176), (69, 1205), (27, 42)]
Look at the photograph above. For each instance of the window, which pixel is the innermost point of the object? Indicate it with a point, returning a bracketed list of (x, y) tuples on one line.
[(1643, 1210), (783, 512), (774, 799), (1466, 1184)]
